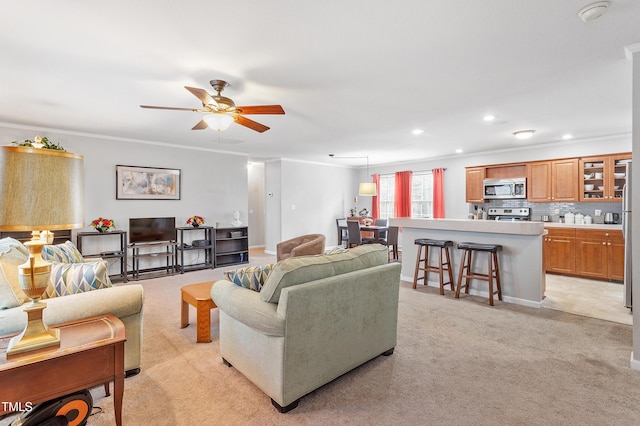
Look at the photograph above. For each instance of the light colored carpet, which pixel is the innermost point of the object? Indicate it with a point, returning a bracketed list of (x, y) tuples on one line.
[(457, 362)]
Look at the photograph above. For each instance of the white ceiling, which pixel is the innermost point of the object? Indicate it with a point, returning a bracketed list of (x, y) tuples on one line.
[(354, 77)]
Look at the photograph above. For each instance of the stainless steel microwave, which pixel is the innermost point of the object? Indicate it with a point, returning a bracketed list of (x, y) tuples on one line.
[(505, 188)]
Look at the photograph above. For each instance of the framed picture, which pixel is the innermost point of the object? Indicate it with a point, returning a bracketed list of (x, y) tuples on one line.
[(147, 183)]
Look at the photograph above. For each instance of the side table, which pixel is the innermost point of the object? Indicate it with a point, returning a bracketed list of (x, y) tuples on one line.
[(198, 296), (91, 353)]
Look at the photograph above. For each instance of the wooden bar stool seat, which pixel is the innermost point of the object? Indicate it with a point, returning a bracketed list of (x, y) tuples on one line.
[(443, 265), (493, 268)]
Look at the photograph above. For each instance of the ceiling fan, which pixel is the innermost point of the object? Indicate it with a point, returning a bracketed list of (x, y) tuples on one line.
[(221, 111)]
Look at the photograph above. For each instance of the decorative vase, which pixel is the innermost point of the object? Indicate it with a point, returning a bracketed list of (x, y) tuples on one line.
[(195, 225), (102, 229)]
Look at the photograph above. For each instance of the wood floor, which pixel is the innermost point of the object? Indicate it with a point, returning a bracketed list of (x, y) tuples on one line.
[(596, 299)]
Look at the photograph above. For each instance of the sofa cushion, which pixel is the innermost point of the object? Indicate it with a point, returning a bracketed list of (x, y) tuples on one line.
[(12, 254), (298, 270), (72, 278), (64, 253), (252, 277)]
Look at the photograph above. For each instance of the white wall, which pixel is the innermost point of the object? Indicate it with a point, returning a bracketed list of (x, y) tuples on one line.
[(214, 184), (306, 198), (256, 203)]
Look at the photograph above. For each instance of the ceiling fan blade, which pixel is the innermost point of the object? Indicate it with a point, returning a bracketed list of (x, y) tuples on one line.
[(202, 94), (171, 108), (200, 126), (253, 125), (260, 109)]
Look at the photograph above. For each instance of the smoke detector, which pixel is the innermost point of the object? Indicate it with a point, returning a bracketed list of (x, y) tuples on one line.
[(593, 11)]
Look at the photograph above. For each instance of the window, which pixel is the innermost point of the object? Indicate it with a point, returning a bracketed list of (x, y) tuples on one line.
[(387, 189), (421, 195)]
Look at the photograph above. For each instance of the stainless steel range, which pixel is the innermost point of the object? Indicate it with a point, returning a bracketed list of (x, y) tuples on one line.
[(510, 214)]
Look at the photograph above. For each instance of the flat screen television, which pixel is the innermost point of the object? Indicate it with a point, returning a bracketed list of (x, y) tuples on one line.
[(148, 229)]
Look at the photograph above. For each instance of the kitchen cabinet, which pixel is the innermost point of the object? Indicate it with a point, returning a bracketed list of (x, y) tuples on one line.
[(553, 180), (559, 247), (603, 177), (474, 184), (589, 253)]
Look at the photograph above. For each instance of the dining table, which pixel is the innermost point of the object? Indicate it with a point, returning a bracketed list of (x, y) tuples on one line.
[(375, 229)]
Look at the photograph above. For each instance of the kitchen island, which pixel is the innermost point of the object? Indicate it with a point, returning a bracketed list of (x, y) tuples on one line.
[(521, 269)]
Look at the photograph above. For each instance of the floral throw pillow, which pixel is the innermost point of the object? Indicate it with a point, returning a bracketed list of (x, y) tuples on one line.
[(252, 277)]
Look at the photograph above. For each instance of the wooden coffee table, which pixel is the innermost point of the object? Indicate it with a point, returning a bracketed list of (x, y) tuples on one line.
[(91, 353), (198, 296)]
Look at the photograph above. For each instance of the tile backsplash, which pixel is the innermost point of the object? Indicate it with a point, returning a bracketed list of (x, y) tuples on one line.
[(540, 209)]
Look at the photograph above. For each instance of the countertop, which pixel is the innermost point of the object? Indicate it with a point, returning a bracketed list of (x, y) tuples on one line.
[(576, 226), (469, 225)]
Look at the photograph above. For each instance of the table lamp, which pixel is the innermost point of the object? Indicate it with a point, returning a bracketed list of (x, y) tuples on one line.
[(40, 190)]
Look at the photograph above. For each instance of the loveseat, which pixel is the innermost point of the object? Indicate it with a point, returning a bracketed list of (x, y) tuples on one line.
[(315, 319), (303, 245), (125, 302)]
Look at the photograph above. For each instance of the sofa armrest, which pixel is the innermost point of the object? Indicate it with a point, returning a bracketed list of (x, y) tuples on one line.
[(245, 305)]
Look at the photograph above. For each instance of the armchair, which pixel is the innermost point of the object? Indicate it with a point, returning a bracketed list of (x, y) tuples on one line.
[(303, 245)]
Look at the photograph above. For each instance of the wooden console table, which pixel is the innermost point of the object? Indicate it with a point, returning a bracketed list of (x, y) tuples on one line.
[(91, 353)]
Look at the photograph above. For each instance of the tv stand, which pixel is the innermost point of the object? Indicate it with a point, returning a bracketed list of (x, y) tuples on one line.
[(153, 250)]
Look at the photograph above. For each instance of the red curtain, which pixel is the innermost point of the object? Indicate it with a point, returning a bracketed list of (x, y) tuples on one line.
[(375, 202), (402, 204), (438, 193)]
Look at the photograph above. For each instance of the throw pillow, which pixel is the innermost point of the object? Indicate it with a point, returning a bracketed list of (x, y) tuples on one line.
[(72, 278), (336, 250), (252, 277), (13, 254), (63, 253), (7, 298)]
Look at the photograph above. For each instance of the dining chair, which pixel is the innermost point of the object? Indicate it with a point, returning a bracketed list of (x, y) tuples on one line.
[(382, 222), (392, 241), (354, 237), (343, 234)]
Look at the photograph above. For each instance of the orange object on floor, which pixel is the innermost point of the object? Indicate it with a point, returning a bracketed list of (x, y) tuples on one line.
[(198, 296)]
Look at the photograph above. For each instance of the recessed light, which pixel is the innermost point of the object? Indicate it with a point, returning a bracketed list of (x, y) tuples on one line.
[(523, 134), (567, 136), (459, 151), (489, 117), (417, 132)]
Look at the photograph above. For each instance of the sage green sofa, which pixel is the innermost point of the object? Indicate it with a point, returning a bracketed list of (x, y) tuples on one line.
[(124, 301), (315, 319)]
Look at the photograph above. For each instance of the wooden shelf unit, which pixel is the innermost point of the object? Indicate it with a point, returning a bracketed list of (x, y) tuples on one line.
[(184, 247), (120, 254), (231, 246)]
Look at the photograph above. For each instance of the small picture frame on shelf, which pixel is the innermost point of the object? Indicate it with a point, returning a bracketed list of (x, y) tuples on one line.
[(147, 183)]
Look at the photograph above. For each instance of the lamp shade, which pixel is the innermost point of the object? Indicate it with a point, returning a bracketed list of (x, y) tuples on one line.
[(218, 121), (40, 189), (367, 188)]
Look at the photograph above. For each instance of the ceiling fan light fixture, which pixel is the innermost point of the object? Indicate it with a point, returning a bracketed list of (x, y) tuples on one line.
[(218, 121), (523, 134)]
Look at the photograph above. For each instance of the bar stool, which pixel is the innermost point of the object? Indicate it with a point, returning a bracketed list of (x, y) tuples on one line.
[(422, 262), (493, 271)]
